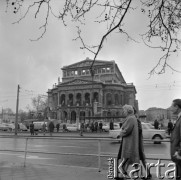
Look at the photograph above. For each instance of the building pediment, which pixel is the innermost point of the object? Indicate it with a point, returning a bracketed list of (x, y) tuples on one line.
[(77, 82), (87, 63)]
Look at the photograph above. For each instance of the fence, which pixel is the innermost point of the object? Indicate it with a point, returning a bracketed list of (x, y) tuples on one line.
[(99, 155)]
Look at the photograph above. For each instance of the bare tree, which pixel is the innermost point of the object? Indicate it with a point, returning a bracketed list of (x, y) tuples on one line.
[(164, 21), (39, 103), (8, 111)]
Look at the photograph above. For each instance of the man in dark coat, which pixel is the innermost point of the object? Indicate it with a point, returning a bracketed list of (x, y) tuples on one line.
[(170, 127), (51, 127), (58, 127), (32, 128), (96, 126), (111, 125), (100, 126), (156, 124), (175, 139)]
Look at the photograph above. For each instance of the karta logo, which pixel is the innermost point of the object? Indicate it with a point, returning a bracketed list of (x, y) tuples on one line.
[(115, 169)]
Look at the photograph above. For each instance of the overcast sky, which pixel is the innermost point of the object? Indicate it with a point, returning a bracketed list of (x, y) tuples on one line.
[(36, 66)]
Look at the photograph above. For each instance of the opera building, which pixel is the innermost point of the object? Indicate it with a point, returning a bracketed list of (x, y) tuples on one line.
[(81, 95)]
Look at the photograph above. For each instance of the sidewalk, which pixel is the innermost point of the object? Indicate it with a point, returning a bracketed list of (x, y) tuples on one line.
[(60, 134), (45, 172)]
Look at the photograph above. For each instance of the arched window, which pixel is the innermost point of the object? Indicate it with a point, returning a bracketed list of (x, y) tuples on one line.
[(116, 98), (108, 99), (65, 116), (62, 99), (121, 99), (78, 99), (87, 98), (73, 117), (70, 100), (96, 97)]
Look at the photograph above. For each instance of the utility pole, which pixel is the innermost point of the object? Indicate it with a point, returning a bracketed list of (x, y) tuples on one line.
[(17, 104)]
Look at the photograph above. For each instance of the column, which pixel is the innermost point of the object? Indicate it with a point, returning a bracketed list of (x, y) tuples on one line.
[(58, 98), (82, 98)]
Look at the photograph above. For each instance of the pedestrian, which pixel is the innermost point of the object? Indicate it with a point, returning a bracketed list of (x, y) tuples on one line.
[(170, 127), (65, 128), (100, 126), (32, 128), (81, 129), (51, 127), (175, 139), (58, 127), (111, 125), (120, 124), (156, 124), (129, 147), (96, 126), (141, 147), (44, 128), (92, 126)]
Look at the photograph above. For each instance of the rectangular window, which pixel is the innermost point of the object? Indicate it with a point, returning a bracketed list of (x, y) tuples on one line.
[(108, 69), (79, 72), (103, 70), (87, 71), (72, 73), (64, 73), (83, 72), (99, 70)]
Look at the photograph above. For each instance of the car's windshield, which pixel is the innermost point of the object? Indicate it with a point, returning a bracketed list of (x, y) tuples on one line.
[(150, 126), (147, 126)]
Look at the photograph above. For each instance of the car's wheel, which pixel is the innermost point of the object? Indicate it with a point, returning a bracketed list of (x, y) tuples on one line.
[(157, 139)]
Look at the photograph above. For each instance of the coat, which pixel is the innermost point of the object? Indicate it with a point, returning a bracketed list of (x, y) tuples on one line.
[(130, 141), (51, 127), (175, 139)]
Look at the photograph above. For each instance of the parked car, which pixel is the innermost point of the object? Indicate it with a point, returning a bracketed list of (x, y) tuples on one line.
[(106, 127), (38, 126), (12, 126), (22, 127), (148, 133), (5, 127), (72, 127)]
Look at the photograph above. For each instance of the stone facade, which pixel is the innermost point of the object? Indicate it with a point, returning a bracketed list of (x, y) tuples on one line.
[(80, 95)]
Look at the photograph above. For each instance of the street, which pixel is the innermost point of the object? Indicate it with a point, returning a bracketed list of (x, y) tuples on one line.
[(57, 145)]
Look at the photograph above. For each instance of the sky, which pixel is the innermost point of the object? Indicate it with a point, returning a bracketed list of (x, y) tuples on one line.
[(36, 65)]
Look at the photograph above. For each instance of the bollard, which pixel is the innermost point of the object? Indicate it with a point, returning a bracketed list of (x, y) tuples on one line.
[(25, 151), (99, 155)]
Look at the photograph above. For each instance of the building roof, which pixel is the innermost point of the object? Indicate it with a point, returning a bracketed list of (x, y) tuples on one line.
[(87, 63)]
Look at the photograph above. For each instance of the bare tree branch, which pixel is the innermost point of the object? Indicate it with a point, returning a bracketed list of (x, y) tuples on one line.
[(162, 32)]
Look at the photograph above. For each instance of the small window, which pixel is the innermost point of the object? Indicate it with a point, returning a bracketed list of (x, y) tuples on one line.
[(87, 71), (103, 70), (76, 73), (64, 74), (83, 72), (108, 69)]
